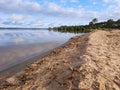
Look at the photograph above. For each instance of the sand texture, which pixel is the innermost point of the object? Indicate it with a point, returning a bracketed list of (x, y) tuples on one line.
[(87, 62)]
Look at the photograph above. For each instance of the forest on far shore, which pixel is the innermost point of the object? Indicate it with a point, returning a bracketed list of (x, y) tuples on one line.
[(93, 25)]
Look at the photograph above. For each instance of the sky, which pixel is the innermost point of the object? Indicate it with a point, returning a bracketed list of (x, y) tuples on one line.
[(51, 13)]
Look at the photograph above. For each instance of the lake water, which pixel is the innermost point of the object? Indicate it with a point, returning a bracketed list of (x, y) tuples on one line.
[(18, 37), (17, 45)]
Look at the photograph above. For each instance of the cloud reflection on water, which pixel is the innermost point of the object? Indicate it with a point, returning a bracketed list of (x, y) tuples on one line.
[(31, 36)]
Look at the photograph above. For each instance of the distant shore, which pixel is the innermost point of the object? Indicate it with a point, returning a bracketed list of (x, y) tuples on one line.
[(86, 62), (21, 28)]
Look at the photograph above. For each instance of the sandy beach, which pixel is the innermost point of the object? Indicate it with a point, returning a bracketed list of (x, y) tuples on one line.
[(87, 62)]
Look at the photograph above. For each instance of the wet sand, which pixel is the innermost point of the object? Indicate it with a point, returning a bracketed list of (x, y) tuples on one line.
[(19, 66), (14, 54)]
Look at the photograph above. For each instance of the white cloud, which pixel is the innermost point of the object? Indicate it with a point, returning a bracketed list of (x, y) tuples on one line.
[(106, 1), (54, 10), (15, 19), (94, 3), (113, 10), (18, 6), (32, 8), (18, 18), (37, 22), (65, 1), (74, 1), (113, 2), (23, 9), (1, 20)]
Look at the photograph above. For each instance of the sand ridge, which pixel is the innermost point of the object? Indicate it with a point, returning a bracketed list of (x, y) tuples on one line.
[(87, 62)]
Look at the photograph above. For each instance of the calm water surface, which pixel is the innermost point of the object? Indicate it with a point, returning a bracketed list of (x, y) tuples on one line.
[(16, 45), (18, 37)]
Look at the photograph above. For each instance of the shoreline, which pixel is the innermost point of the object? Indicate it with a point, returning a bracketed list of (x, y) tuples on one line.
[(86, 62), (15, 54), (12, 70)]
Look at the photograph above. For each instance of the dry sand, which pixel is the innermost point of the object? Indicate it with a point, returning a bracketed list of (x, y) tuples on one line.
[(87, 62)]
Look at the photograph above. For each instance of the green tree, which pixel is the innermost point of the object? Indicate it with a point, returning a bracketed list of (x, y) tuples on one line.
[(118, 21), (110, 23), (92, 24), (95, 20)]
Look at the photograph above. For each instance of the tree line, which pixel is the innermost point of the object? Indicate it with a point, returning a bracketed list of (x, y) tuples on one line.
[(93, 25)]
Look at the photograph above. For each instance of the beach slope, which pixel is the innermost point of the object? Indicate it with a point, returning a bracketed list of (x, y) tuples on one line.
[(87, 62)]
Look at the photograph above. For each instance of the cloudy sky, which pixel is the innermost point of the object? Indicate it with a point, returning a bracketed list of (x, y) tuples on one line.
[(49, 13)]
